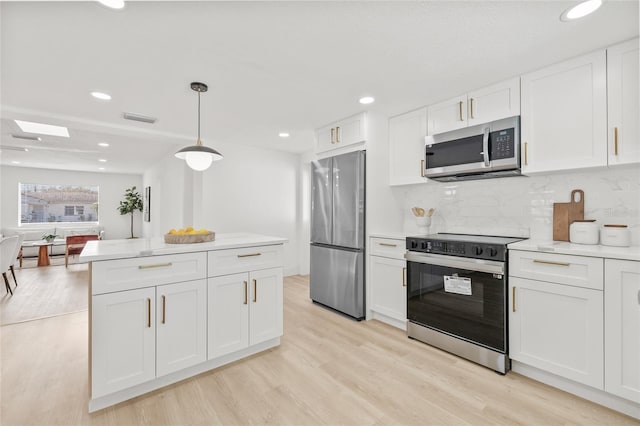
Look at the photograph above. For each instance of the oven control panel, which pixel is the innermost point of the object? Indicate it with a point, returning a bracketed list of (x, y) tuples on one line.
[(468, 249)]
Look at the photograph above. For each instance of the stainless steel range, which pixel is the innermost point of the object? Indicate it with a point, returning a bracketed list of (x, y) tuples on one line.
[(457, 295)]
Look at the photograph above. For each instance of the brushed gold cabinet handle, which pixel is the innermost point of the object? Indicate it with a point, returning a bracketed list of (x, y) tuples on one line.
[(148, 313), (526, 162), (471, 102), (332, 135), (404, 274), (157, 265), (549, 262), (255, 290), (388, 245), (421, 168), (513, 299), (164, 305), (460, 110), (246, 289), (337, 134), (615, 140), (249, 255)]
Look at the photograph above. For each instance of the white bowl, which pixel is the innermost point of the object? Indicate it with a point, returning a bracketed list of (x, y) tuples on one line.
[(583, 232), (615, 235)]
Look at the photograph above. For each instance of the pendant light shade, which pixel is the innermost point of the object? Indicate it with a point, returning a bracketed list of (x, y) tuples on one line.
[(198, 156)]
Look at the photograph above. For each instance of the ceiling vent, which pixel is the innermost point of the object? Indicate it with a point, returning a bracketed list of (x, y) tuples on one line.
[(138, 117), (26, 137)]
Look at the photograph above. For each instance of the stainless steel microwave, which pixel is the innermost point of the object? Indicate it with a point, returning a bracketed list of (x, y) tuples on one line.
[(484, 151)]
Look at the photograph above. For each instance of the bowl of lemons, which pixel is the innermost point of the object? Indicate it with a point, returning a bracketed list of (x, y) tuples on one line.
[(189, 235)]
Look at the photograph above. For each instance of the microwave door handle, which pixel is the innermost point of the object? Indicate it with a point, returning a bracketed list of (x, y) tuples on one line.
[(485, 146)]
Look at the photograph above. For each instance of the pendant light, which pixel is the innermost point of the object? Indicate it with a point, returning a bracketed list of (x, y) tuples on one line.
[(198, 156)]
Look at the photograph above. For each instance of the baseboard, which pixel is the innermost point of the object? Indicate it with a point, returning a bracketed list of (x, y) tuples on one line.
[(583, 391), (402, 325)]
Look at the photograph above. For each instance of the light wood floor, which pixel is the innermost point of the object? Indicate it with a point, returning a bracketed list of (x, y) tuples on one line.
[(44, 292), (328, 370)]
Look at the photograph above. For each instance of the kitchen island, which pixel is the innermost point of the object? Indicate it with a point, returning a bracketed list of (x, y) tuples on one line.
[(160, 313)]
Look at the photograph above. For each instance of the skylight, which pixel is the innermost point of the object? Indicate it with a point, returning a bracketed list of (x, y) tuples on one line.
[(42, 129)]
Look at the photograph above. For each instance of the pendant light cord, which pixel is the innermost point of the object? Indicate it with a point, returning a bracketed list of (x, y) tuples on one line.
[(199, 142)]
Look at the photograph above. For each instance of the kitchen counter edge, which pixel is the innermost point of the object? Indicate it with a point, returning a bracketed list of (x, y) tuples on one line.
[(560, 247), (144, 247)]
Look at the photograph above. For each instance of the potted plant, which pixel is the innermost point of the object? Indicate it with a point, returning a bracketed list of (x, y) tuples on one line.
[(132, 202), (49, 237)]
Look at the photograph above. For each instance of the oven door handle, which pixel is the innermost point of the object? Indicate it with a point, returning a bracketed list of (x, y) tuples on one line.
[(479, 265)]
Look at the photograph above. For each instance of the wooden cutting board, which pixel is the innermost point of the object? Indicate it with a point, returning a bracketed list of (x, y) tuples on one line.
[(566, 213)]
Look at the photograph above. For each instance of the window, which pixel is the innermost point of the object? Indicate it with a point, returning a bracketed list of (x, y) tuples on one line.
[(42, 203)]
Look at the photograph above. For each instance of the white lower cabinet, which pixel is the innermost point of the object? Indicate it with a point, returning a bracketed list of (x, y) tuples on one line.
[(387, 281), (142, 334), (388, 287), (123, 340), (181, 330), (622, 328), (557, 328), (244, 309)]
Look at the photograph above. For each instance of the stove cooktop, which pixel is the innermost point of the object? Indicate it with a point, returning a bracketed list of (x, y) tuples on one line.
[(462, 245)]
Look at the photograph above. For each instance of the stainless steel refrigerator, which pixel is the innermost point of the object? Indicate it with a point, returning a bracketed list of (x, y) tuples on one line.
[(338, 232)]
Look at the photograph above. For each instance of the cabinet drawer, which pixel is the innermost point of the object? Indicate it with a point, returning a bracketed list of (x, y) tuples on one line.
[(579, 271), (232, 261), (387, 247), (126, 274)]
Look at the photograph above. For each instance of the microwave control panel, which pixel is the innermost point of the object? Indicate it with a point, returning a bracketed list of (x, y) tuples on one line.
[(502, 144)]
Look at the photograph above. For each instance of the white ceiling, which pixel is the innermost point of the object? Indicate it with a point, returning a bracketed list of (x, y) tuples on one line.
[(270, 67)]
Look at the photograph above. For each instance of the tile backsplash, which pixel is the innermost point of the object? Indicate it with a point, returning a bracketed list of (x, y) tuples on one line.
[(523, 206)]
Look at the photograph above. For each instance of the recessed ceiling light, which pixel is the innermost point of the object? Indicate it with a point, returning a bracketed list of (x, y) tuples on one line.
[(100, 168), (366, 100), (104, 144), (581, 9), (15, 162), (113, 4), (101, 96), (43, 129), (283, 134), (102, 160)]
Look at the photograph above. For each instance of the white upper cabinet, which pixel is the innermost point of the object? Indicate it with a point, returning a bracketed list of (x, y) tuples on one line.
[(564, 115), (624, 112), (350, 131), (480, 106), (494, 102), (406, 147), (448, 115)]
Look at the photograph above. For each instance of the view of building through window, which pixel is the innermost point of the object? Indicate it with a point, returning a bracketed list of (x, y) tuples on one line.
[(40, 203)]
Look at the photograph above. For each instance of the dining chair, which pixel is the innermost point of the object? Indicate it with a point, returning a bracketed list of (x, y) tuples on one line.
[(75, 244), (7, 250), (15, 256)]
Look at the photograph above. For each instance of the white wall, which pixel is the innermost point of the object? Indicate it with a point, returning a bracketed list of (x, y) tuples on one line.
[(168, 192), (250, 190), (112, 189), (523, 206)]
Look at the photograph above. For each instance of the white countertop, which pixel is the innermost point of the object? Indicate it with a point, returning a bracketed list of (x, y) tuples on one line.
[(140, 247), (392, 235), (561, 247)]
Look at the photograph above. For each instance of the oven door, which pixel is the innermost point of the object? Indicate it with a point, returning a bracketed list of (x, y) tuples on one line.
[(462, 297)]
